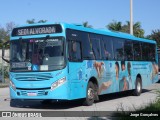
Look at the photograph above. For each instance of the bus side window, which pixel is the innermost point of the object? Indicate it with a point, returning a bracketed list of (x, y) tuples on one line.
[(107, 48), (118, 48), (75, 51), (128, 50), (137, 51), (96, 48), (152, 52), (145, 51)]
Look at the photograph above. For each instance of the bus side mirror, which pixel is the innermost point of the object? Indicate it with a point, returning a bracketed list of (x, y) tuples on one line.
[(3, 52)]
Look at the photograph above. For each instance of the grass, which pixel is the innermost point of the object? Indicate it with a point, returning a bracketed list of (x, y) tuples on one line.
[(152, 108)]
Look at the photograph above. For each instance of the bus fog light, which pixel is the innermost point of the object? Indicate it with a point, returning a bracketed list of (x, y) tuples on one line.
[(12, 85), (58, 83)]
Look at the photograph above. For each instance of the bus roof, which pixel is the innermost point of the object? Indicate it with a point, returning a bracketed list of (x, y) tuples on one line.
[(91, 30), (106, 32)]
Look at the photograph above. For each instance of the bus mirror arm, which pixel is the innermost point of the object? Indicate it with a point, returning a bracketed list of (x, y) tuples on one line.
[(3, 51)]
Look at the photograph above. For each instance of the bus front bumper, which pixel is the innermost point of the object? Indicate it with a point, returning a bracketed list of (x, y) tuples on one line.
[(60, 93)]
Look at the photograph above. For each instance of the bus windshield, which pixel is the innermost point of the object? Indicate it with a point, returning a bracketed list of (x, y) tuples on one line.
[(41, 54)]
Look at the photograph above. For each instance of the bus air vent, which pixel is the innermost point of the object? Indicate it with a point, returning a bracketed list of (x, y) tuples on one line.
[(33, 77)]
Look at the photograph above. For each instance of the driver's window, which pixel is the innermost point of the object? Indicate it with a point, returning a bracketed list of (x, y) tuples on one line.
[(75, 51)]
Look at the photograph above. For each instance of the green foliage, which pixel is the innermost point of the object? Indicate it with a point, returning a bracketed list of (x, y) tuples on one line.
[(32, 21), (42, 21), (155, 35), (85, 24), (117, 26), (3, 36), (158, 97), (5, 33), (6, 70), (152, 107)]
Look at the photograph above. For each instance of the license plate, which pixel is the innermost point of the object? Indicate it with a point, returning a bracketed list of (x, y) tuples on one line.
[(32, 94)]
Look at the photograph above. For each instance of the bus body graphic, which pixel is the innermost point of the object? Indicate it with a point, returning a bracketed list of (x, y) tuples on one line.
[(66, 62)]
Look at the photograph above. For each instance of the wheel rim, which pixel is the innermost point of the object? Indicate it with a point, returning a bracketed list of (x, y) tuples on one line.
[(90, 93), (138, 87)]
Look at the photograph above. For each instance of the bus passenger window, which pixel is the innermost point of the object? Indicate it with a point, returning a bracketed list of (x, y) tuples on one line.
[(96, 48), (137, 51), (107, 48), (152, 52), (118, 49), (128, 50), (74, 51)]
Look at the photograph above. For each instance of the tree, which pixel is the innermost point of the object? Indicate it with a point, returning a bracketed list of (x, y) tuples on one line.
[(85, 24), (9, 27), (137, 30), (33, 21), (155, 35), (117, 26), (3, 36), (42, 21), (30, 21), (5, 32)]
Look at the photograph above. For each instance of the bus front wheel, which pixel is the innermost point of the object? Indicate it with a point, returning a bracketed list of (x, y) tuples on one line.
[(138, 87), (90, 94)]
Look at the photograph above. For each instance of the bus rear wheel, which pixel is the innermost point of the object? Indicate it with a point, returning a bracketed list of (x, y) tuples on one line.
[(90, 94), (138, 87)]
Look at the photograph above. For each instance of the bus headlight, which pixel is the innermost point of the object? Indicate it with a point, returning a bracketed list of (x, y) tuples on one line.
[(58, 83), (12, 85)]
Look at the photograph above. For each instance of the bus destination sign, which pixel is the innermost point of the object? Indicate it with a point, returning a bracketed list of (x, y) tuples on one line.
[(36, 30)]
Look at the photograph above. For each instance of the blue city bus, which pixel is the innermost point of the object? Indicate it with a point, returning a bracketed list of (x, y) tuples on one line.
[(68, 61)]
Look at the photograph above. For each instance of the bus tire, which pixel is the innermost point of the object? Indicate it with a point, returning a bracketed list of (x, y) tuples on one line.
[(96, 97), (90, 94), (138, 87)]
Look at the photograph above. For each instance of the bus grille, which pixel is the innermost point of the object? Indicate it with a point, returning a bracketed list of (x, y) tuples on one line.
[(33, 77), (39, 93)]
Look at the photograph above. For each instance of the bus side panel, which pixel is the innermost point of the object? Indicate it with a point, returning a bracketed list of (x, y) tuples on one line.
[(79, 75), (148, 72), (77, 78), (116, 76), (112, 76)]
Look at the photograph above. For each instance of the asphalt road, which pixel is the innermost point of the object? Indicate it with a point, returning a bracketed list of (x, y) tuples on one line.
[(123, 101)]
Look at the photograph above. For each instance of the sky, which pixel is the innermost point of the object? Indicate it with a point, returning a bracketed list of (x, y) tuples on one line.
[(98, 13)]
